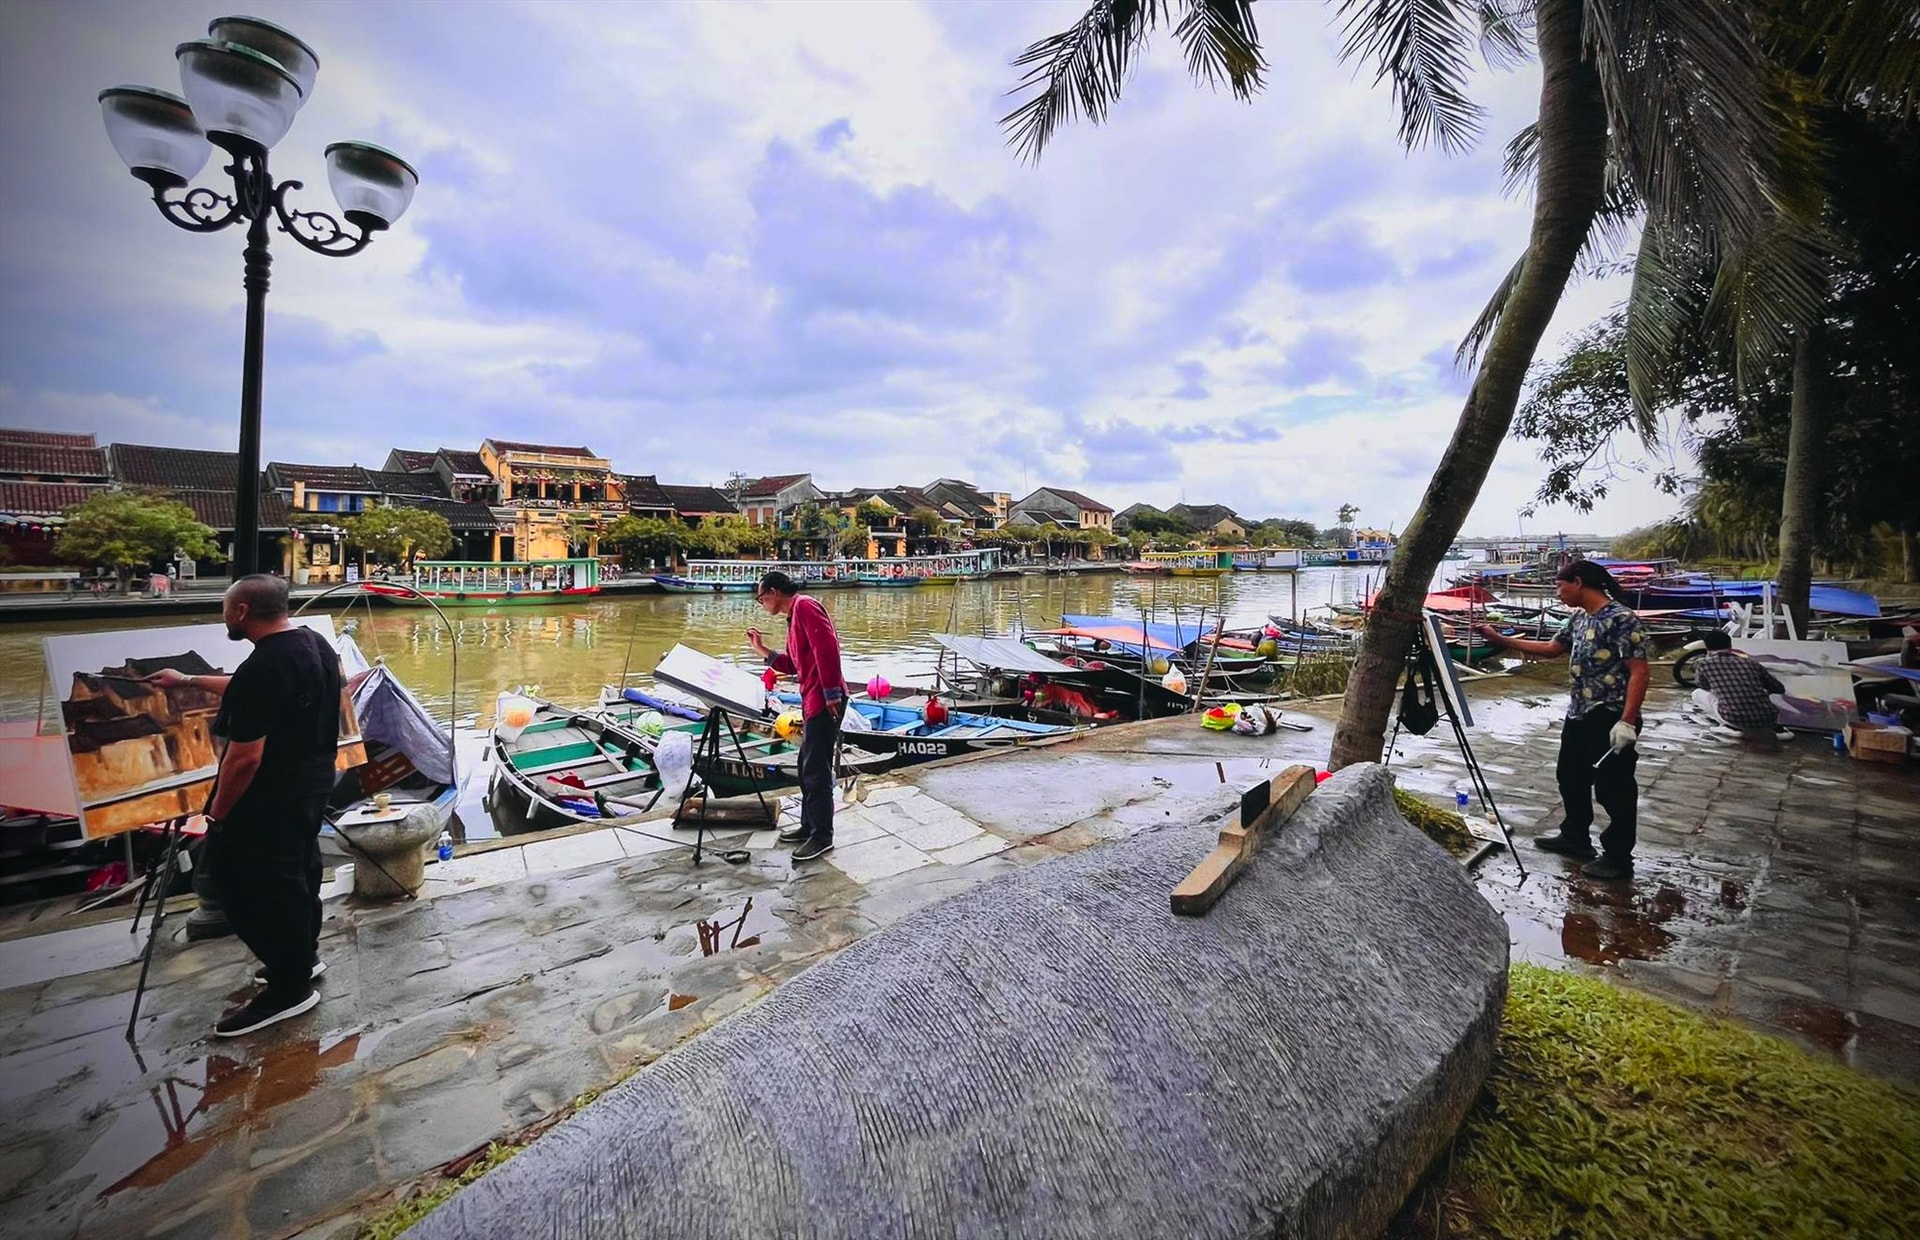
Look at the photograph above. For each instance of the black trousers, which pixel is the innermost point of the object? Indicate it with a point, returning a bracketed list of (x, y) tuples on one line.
[(817, 743), (1582, 742), (266, 862)]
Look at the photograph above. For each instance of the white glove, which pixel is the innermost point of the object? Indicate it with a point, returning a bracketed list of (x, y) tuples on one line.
[(1623, 736)]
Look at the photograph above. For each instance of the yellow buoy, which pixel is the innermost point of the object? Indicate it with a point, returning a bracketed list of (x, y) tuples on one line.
[(787, 724)]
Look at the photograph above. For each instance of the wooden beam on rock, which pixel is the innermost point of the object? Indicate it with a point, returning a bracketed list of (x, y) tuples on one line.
[(1263, 808)]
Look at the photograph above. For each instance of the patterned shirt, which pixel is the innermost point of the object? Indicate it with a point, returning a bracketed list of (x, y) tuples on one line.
[(1599, 645), (1740, 686)]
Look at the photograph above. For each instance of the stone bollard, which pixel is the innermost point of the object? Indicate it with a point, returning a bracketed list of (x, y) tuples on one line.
[(394, 842)]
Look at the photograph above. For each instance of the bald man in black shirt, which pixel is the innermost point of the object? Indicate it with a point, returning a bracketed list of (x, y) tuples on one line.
[(280, 718)]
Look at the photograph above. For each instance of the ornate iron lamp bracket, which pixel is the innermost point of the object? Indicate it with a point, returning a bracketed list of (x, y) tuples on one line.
[(316, 230)]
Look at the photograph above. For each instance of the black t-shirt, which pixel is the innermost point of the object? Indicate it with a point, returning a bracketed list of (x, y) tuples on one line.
[(287, 691)]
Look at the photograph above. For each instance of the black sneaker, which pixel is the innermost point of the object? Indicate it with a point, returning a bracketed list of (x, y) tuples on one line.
[(1566, 846), (1608, 869), (319, 967), (262, 1010), (811, 848), (793, 834)]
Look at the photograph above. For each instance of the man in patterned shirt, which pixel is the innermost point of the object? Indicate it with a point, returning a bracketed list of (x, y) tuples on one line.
[(1606, 647), (1736, 691)]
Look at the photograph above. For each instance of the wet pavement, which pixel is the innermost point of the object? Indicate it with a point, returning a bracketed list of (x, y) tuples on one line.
[(1775, 886)]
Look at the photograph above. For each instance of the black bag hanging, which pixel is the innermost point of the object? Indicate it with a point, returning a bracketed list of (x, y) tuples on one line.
[(1418, 711)]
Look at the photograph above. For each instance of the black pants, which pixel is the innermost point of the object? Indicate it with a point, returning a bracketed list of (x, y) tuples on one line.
[(817, 743), (266, 862), (1582, 743)]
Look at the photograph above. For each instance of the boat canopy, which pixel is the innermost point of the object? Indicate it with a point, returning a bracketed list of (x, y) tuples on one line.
[(1163, 635), (1000, 654)]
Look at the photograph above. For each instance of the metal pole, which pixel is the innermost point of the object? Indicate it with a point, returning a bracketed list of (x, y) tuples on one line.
[(255, 192)]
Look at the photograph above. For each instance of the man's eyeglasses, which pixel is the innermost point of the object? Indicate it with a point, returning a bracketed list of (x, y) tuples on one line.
[(760, 594)]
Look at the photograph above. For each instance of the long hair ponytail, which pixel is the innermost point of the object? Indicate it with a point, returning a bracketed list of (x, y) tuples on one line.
[(1594, 577)]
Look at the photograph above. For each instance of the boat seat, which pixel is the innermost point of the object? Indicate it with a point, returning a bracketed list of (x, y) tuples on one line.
[(559, 756), (618, 777)]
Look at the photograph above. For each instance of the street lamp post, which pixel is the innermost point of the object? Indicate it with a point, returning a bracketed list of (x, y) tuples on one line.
[(243, 85)]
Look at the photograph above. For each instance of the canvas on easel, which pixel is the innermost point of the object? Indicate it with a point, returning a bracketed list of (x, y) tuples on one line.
[(1448, 673), (715, 683), (140, 754)]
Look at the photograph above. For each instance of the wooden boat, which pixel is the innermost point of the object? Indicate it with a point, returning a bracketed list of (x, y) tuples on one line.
[(901, 729), (483, 583), (762, 760), (551, 771), (891, 583), (410, 757)]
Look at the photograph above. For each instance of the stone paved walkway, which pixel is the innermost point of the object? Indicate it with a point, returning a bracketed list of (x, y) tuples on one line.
[(1774, 886)]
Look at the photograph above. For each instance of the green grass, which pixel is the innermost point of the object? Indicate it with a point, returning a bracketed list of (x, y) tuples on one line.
[(1318, 675), (1610, 1114)]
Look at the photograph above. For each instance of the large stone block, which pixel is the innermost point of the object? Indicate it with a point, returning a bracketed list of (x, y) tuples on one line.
[(1054, 1053)]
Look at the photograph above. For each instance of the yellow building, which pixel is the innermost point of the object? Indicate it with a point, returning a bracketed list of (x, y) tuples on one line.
[(558, 498)]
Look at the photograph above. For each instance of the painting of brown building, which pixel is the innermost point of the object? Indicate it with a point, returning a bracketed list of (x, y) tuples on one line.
[(142, 754)]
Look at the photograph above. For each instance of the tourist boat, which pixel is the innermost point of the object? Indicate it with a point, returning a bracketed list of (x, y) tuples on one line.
[(901, 729), (674, 584), (1269, 560), (551, 771), (484, 583), (762, 759), (410, 757), (890, 583), (1147, 568), (1211, 562)]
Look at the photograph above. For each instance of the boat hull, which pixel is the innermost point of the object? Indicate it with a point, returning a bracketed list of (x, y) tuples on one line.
[(469, 598)]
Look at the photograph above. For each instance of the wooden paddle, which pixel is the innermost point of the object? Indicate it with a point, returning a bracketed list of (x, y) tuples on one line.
[(1263, 808)]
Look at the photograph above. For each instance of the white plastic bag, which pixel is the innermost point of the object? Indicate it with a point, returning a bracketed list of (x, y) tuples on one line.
[(511, 715), (854, 721), (673, 758)]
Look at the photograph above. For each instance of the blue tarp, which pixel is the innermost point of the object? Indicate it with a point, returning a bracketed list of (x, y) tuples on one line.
[(1830, 599)]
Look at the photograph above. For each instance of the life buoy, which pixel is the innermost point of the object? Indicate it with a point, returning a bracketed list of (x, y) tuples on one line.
[(827, 573)]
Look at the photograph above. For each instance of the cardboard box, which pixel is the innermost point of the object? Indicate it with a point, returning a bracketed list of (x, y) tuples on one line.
[(1873, 742)]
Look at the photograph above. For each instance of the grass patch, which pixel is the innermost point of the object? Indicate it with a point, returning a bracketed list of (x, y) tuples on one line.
[(1610, 1114), (1319, 675), (1442, 826)]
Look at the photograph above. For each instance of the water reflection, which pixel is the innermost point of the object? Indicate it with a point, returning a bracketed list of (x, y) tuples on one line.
[(570, 650)]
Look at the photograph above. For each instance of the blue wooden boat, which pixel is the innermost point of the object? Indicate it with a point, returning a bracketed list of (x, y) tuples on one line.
[(891, 583), (901, 729)]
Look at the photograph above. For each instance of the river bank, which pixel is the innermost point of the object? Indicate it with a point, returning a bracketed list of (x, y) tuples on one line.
[(1771, 889)]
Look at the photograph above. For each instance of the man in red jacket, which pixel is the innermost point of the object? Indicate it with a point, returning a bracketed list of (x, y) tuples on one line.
[(813, 657)]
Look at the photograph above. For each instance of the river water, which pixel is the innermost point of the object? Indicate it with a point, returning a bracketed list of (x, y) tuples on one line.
[(568, 651)]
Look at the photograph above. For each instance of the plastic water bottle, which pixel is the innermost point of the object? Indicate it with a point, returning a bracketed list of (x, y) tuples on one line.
[(444, 846), (1839, 743), (1460, 798)]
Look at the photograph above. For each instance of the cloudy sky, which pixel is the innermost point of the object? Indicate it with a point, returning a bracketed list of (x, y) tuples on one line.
[(703, 238)]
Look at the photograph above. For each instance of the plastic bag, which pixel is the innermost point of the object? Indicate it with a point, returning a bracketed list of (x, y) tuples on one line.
[(854, 721), (673, 758), (512, 714)]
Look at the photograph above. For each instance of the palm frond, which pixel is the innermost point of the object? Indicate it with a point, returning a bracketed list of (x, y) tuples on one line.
[(1864, 50), (1223, 45), (1506, 32), (1081, 70), (1759, 291), (1521, 161), (1421, 47), (1476, 338), (1663, 306)]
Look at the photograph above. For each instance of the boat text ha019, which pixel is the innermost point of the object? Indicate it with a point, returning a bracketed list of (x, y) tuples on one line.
[(485, 583)]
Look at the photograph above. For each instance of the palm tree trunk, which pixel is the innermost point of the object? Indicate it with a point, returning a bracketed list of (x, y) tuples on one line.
[(1800, 503), (1910, 551), (1573, 153)]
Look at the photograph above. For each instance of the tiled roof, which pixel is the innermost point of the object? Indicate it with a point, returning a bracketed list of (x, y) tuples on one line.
[(46, 439), (770, 486), (350, 478), (412, 462), (43, 499), (215, 508), (462, 462), (507, 445), (693, 500), (1202, 516), (140, 465), (52, 460), (459, 516), (1074, 497), (394, 482), (644, 491)]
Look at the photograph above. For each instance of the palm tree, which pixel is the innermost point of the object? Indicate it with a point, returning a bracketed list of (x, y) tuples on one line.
[(1645, 107)]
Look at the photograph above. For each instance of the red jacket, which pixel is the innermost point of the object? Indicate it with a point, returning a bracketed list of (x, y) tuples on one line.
[(812, 655)]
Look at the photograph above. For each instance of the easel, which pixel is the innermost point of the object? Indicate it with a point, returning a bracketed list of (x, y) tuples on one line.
[(1422, 650), (710, 748), (157, 884)]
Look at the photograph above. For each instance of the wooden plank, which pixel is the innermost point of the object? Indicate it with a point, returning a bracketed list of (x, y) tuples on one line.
[(1263, 808)]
